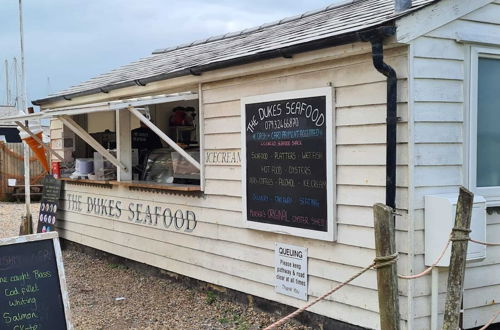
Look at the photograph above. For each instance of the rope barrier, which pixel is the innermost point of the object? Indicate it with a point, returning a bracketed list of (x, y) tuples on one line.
[(490, 321), (386, 261), (484, 243), (466, 233), (427, 270), (300, 310), (451, 239)]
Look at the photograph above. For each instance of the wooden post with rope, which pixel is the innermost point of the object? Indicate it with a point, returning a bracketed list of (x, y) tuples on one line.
[(460, 240), (386, 265)]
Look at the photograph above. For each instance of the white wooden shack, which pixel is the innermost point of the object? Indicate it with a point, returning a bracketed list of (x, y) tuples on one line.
[(444, 54)]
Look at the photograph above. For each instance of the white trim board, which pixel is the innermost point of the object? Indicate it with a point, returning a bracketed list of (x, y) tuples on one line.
[(103, 106), (201, 133), (492, 194), (330, 234), (434, 16), (477, 38)]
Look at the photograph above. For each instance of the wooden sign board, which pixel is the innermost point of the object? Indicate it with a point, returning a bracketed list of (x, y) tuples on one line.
[(33, 292), (287, 157)]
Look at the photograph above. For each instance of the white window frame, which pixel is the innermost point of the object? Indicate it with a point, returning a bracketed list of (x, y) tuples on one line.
[(491, 194), (331, 233)]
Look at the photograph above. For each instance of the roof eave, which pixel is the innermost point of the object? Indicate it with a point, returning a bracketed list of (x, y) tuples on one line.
[(197, 70)]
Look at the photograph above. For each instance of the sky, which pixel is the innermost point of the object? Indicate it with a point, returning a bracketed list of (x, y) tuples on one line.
[(69, 41)]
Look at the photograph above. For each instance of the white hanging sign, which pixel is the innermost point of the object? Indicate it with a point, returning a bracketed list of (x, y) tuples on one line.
[(291, 270)]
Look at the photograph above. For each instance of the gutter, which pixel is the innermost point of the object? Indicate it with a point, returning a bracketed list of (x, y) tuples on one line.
[(376, 38), (285, 52)]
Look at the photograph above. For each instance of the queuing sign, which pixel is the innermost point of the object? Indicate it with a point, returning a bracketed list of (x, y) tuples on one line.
[(33, 292), (290, 270), (288, 155)]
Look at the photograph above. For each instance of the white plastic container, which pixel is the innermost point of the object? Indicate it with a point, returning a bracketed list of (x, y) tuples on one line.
[(84, 166)]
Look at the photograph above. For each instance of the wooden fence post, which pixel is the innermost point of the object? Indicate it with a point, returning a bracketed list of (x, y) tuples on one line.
[(26, 227), (387, 276), (460, 240)]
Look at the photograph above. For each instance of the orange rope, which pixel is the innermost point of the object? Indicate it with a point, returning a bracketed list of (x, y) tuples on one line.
[(426, 271), (390, 260), (300, 310), (484, 243), (490, 321)]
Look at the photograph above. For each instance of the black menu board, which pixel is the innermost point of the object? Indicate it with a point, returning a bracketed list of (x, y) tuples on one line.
[(49, 204), (286, 162), (30, 290)]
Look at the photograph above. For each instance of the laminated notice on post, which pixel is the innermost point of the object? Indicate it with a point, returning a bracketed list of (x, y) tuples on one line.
[(291, 270)]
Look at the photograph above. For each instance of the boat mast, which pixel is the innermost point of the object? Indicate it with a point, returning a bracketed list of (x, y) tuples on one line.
[(7, 89), (22, 107)]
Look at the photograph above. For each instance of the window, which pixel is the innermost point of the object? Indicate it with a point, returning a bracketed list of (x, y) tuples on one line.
[(485, 123), (154, 140), (154, 160)]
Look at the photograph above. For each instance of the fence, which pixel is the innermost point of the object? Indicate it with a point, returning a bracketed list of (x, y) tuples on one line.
[(385, 264), (12, 167)]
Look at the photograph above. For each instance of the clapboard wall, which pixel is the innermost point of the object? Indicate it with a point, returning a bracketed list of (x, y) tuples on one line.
[(221, 250), (438, 150)]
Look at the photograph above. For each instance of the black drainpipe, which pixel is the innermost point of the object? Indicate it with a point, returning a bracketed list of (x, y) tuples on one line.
[(376, 38)]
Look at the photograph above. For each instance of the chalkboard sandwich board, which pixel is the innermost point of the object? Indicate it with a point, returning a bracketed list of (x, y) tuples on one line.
[(33, 294), (287, 158), (49, 204)]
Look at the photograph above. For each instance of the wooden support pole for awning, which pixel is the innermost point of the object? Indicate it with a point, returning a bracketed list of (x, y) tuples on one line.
[(165, 137), (78, 130), (47, 147)]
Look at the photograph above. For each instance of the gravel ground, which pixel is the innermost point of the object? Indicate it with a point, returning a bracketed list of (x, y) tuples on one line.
[(144, 302), (10, 217)]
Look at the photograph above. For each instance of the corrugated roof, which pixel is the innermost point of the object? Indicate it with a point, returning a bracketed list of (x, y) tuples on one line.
[(330, 22)]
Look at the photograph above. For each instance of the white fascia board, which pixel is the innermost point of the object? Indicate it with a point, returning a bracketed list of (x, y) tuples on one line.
[(149, 100), (10, 119), (434, 16), (103, 106), (47, 114)]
